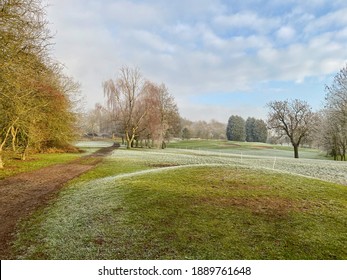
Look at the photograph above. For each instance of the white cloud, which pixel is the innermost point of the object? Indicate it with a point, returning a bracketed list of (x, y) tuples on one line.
[(150, 40), (131, 14), (286, 33), (195, 112), (195, 47), (247, 19), (335, 19)]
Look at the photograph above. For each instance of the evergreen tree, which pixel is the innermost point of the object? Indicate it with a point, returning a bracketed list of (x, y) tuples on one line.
[(250, 130), (236, 129), (256, 130), (260, 131)]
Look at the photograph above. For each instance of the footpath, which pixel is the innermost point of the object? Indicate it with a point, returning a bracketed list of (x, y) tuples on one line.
[(22, 194)]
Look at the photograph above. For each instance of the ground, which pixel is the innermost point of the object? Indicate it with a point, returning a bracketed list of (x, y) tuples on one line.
[(24, 193)]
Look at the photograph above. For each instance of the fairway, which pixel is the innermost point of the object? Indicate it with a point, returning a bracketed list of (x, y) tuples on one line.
[(191, 204), (186, 138), (246, 148)]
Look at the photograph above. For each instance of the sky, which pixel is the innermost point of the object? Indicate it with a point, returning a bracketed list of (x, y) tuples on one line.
[(218, 58)]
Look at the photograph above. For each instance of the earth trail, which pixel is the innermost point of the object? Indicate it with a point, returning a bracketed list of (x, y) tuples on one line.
[(24, 193)]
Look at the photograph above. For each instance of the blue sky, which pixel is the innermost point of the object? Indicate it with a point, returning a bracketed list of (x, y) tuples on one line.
[(218, 58)]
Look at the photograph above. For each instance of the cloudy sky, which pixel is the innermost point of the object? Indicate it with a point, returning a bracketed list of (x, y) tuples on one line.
[(217, 57)]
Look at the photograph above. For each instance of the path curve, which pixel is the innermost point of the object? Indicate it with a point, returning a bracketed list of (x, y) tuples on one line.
[(22, 194)]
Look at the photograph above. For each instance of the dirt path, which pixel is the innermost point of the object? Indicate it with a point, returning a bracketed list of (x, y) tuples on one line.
[(20, 195)]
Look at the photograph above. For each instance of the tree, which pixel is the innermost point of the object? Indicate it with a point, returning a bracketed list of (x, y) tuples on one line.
[(250, 130), (124, 97), (201, 130), (35, 104), (216, 129), (256, 130), (143, 109), (205, 130), (328, 135), (335, 116), (185, 134), (22, 36), (294, 119), (236, 129), (260, 131), (162, 119)]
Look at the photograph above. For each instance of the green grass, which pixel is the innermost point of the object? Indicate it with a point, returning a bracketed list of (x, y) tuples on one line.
[(191, 212), (256, 149), (13, 165)]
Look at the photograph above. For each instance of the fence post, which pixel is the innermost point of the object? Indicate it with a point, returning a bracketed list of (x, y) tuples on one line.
[(273, 166)]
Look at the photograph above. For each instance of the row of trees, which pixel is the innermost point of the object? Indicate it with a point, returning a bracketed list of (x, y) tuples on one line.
[(141, 109), (99, 122), (251, 130), (295, 121), (202, 129), (35, 104), (327, 128), (291, 121)]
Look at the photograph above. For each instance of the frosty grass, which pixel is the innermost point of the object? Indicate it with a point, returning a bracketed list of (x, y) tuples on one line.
[(326, 170)]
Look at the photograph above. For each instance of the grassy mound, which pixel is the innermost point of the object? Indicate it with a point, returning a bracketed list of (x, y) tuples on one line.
[(189, 212)]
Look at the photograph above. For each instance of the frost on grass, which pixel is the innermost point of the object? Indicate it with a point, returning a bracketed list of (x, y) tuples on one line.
[(326, 170), (93, 144)]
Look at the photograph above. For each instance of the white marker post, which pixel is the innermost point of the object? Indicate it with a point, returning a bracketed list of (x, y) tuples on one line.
[(273, 166)]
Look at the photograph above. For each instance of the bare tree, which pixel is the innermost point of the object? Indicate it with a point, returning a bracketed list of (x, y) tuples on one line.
[(162, 118), (336, 115), (294, 119), (331, 136), (124, 98)]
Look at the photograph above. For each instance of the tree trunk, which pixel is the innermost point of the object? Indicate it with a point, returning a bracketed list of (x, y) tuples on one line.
[(296, 150), (1, 162), (128, 144), (24, 153), (129, 140), (2, 144), (14, 137)]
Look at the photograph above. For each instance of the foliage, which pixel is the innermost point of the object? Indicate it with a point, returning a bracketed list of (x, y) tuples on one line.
[(236, 129), (256, 130), (35, 105)]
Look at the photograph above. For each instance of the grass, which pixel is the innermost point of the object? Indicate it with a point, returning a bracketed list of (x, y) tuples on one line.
[(256, 149), (14, 165), (146, 206)]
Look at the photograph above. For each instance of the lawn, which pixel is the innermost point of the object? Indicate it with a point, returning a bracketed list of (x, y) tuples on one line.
[(13, 165), (178, 204), (247, 148)]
